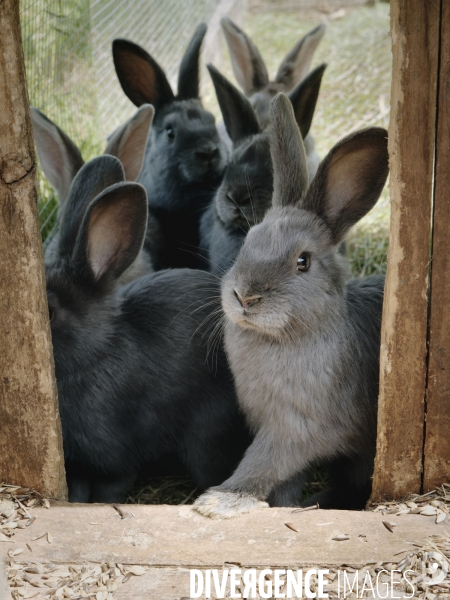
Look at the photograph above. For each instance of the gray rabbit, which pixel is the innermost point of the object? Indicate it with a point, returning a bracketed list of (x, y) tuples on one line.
[(251, 73), (185, 156), (245, 193), (61, 159), (303, 344)]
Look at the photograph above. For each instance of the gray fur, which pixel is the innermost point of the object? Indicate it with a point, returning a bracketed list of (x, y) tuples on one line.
[(288, 182), (61, 160), (304, 346), (251, 72), (245, 193)]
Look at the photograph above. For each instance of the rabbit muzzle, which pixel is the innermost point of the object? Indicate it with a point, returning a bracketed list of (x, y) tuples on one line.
[(204, 163), (247, 301)]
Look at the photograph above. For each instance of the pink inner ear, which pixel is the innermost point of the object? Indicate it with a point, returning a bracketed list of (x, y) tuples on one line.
[(53, 158), (132, 146), (109, 235), (347, 177), (242, 62)]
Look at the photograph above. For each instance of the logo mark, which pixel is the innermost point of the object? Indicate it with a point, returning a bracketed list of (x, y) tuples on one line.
[(435, 566)]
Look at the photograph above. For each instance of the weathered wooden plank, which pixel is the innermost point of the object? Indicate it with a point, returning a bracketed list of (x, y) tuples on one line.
[(30, 431), (437, 441), (176, 536), (415, 40)]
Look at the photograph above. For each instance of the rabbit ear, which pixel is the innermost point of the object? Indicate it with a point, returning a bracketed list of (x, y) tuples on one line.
[(304, 99), (238, 113), (128, 143), (296, 64), (290, 173), (112, 232), (59, 157), (248, 66), (95, 176), (349, 180), (189, 74), (141, 78)]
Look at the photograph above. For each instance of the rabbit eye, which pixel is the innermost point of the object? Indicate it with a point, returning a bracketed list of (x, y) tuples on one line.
[(303, 262), (170, 132)]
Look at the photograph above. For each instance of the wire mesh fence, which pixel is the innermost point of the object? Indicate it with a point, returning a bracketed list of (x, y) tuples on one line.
[(71, 77), (70, 72)]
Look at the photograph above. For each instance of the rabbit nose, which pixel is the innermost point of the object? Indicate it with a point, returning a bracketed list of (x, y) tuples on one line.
[(245, 302), (208, 154)]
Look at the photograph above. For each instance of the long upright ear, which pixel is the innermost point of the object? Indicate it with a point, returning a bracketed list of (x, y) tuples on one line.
[(290, 172), (248, 66), (189, 74), (296, 64), (141, 78), (349, 180), (128, 143), (59, 157), (304, 99), (112, 232), (238, 114), (95, 176)]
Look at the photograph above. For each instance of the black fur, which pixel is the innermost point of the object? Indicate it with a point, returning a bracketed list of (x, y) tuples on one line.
[(137, 379), (245, 194), (185, 156)]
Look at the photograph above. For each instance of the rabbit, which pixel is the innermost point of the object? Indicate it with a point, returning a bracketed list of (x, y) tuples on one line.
[(185, 156), (245, 193), (302, 342), (61, 159), (137, 379), (251, 73)]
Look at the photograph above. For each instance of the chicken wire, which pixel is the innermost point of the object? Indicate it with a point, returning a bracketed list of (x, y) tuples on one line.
[(71, 77), (70, 72)]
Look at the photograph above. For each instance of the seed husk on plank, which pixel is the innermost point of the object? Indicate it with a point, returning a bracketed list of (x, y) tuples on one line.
[(389, 526)]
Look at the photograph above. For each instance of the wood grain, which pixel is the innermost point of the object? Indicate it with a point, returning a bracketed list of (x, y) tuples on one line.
[(437, 442), (30, 431), (415, 44), (176, 536)]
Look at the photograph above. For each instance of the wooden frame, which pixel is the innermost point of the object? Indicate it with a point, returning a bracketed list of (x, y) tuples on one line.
[(31, 450), (413, 445), (413, 448)]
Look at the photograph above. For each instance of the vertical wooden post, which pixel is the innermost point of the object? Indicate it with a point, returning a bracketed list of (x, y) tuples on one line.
[(437, 427), (30, 430), (415, 47)]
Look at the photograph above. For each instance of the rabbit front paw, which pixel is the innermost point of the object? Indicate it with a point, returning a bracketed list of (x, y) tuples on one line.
[(225, 505)]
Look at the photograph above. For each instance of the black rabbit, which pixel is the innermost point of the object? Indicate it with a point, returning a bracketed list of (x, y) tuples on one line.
[(245, 193), (185, 156), (137, 379)]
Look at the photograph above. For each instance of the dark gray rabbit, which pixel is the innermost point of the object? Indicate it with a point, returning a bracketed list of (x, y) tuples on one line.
[(245, 193), (137, 380), (61, 159), (185, 157), (251, 73), (303, 343)]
